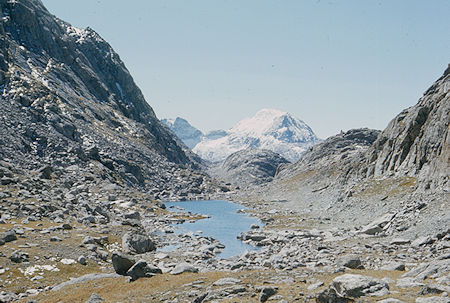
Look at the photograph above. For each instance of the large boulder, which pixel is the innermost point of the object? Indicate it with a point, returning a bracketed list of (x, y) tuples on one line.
[(355, 286), (135, 243), (142, 270), (122, 263)]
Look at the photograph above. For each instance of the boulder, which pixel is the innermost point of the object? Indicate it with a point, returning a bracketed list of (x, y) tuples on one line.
[(122, 263), (134, 243), (226, 281), (422, 241), (95, 299), (9, 236), (394, 266), (350, 261), (182, 268), (142, 270), (82, 260), (266, 293), (378, 224), (19, 257), (355, 286)]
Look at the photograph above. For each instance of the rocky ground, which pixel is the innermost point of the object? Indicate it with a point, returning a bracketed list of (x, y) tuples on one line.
[(55, 253)]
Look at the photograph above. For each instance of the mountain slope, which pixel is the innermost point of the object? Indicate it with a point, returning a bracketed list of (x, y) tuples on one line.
[(269, 129), (249, 167), (67, 98), (190, 135)]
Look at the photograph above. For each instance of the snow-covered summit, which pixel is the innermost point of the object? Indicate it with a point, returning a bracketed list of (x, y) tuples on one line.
[(270, 129)]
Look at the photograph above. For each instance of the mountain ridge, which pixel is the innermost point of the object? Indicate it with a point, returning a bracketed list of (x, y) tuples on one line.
[(67, 98)]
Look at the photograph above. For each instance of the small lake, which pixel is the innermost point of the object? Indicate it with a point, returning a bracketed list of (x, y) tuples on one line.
[(225, 223)]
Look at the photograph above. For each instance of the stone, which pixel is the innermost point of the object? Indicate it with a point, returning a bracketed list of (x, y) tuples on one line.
[(422, 241), (408, 282), (95, 299), (142, 270), (82, 260), (394, 266), (400, 241), (314, 286), (355, 286), (350, 261), (429, 269), (134, 243), (19, 257), (330, 296), (66, 226), (132, 215), (390, 300), (8, 297), (102, 254), (46, 172), (377, 225), (434, 299), (122, 263), (182, 268), (226, 281), (9, 236), (266, 293)]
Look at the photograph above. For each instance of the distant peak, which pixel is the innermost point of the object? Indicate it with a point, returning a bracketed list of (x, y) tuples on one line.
[(270, 112)]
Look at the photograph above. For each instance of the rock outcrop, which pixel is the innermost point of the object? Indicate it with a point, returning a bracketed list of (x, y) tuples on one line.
[(249, 167), (417, 142)]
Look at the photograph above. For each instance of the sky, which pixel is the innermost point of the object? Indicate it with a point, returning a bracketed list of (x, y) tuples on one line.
[(336, 65)]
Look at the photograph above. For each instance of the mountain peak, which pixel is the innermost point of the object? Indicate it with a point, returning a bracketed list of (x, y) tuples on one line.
[(270, 129)]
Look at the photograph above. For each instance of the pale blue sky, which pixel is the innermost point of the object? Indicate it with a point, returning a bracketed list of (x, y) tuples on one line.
[(336, 65)]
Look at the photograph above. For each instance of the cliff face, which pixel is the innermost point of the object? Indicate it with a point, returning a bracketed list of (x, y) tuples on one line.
[(67, 98), (416, 142)]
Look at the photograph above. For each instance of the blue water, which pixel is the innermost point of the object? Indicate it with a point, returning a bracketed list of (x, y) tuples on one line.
[(224, 224)]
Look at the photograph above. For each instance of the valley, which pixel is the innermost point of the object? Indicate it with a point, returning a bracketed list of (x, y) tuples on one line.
[(90, 179)]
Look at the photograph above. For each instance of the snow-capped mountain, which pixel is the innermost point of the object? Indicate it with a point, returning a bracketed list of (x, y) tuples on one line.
[(185, 131), (269, 129)]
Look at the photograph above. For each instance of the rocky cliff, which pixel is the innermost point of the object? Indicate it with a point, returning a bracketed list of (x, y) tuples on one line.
[(417, 142), (67, 99)]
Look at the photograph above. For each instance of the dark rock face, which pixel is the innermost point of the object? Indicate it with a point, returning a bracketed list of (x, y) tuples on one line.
[(122, 263), (250, 166), (67, 98)]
